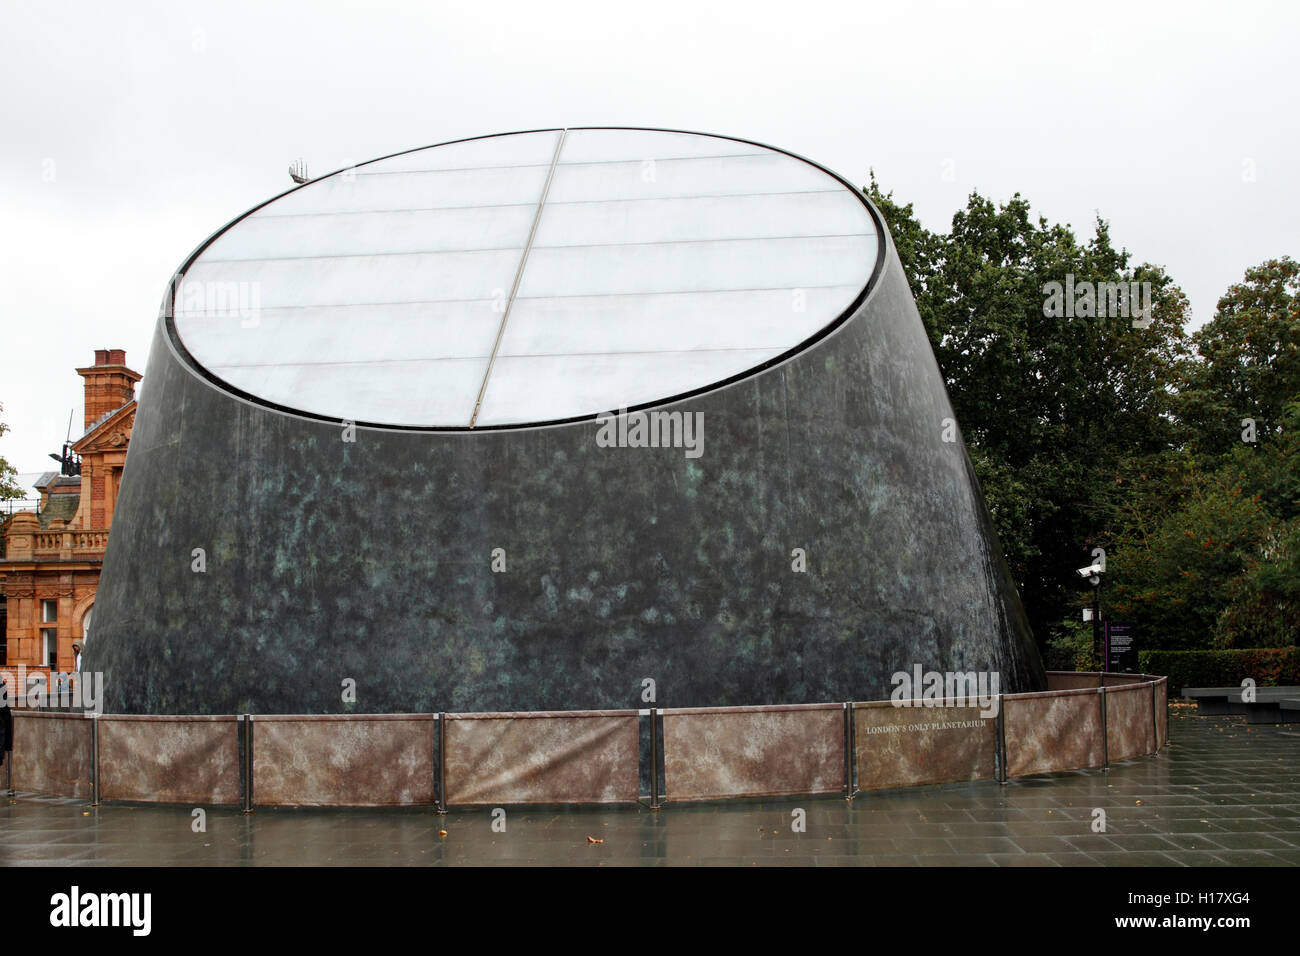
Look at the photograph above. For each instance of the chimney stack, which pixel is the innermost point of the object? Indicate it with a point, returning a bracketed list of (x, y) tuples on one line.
[(109, 384)]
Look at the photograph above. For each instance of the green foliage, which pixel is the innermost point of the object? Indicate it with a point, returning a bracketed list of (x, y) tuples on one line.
[(1044, 403), (1071, 649), (8, 489), (1249, 359), (1088, 432), (1177, 579), (1209, 552), (1263, 608), (1267, 667)]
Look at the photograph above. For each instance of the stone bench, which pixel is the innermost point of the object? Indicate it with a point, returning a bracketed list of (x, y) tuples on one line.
[(1288, 711), (1267, 708)]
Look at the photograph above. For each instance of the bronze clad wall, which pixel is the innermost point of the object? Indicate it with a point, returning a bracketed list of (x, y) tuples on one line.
[(542, 757), (52, 753), (1057, 730), (712, 752), (831, 445), (907, 746), (370, 760), (1130, 723), (169, 759)]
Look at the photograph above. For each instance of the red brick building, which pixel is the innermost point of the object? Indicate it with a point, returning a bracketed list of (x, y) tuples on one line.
[(50, 559)]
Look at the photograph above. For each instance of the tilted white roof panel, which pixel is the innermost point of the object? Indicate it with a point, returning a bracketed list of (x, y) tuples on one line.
[(526, 278)]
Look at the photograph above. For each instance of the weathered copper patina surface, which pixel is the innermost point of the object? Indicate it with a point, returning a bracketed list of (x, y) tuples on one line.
[(623, 563), (1072, 680), (582, 756), (169, 759), (1058, 730), (753, 751), (540, 757), (1130, 724), (369, 760), (1123, 680), (907, 746), (52, 753)]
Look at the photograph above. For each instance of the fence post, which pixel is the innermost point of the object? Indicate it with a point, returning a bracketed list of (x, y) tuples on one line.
[(1000, 743), (1155, 732), (247, 725), (94, 759), (849, 791), (433, 761), (440, 720), (1105, 734), (1163, 714), (654, 758)]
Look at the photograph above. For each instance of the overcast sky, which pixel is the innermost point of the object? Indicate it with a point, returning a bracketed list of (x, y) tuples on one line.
[(132, 131)]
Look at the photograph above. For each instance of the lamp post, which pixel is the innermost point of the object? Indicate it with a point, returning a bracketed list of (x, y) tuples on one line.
[(1093, 573), (1095, 581)]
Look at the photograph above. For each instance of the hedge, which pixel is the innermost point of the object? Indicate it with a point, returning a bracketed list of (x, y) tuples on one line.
[(1267, 666)]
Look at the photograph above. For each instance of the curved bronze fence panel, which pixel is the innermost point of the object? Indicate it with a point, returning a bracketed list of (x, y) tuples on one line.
[(579, 757), (52, 753), (353, 760), (1123, 680), (539, 757), (169, 759), (715, 752), (909, 746), (1072, 680), (1058, 730), (1130, 723)]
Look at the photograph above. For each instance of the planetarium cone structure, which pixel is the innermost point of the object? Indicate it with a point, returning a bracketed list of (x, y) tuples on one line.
[(527, 421)]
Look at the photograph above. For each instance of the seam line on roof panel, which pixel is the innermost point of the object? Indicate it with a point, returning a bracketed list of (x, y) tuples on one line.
[(449, 169), (519, 275), (785, 192), (262, 217), (526, 298), (658, 159), (612, 295), (357, 171), (557, 202), (698, 242), (235, 366), (712, 350), (575, 245)]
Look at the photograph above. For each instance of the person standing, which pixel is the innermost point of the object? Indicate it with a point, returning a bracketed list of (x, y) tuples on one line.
[(6, 724)]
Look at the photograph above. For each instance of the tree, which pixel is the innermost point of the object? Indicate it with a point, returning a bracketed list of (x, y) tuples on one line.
[(8, 487), (1248, 360), (1177, 579), (1220, 561), (1051, 407), (1090, 432)]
